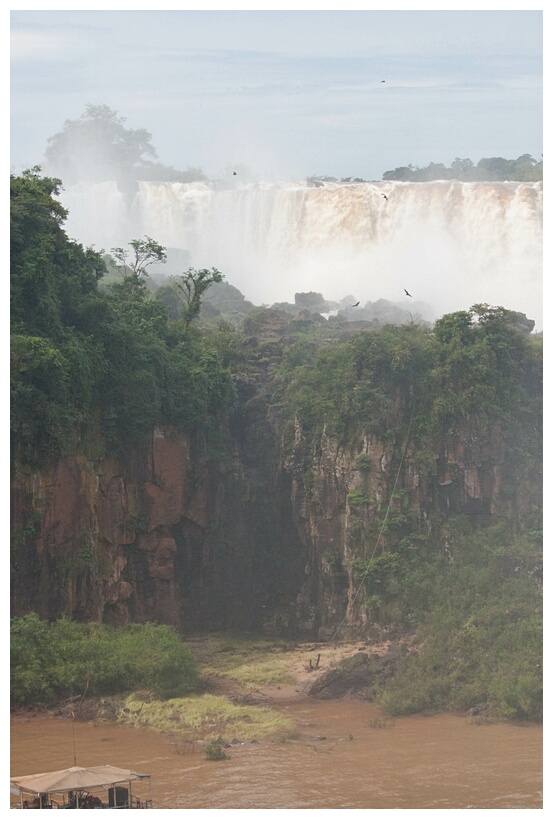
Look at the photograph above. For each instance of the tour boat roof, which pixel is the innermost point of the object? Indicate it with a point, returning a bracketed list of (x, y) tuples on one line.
[(73, 779)]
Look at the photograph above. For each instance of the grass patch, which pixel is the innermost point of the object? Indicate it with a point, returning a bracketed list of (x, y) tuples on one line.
[(205, 717), (247, 662)]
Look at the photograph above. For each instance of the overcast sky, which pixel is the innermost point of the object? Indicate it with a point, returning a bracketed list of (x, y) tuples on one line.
[(286, 93)]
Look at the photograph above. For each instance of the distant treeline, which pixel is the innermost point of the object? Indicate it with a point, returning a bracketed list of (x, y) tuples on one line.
[(492, 169)]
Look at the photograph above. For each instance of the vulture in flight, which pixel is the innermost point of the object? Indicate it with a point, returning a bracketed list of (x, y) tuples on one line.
[(408, 294), (385, 197)]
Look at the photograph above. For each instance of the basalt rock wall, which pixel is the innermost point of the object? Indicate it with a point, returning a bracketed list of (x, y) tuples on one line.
[(259, 535), (352, 500), (171, 534)]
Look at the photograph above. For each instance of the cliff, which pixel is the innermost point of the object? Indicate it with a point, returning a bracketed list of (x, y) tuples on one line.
[(264, 531), (172, 534)]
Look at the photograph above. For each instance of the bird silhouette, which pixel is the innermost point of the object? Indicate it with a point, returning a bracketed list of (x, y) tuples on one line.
[(382, 80), (408, 294), (356, 304), (385, 197), (234, 173)]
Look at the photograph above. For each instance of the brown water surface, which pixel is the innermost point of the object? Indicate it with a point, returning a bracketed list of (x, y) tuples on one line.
[(346, 755)]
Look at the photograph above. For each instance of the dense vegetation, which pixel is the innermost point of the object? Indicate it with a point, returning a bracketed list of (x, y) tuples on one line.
[(50, 661), (469, 585), (491, 169), (476, 614), (84, 357), (481, 363)]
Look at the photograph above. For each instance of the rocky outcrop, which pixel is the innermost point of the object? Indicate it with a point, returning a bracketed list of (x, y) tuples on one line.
[(358, 675)]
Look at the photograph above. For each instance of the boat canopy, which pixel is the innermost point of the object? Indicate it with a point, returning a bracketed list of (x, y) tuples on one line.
[(73, 779)]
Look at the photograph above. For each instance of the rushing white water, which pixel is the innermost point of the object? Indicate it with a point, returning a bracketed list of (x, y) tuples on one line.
[(451, 244)]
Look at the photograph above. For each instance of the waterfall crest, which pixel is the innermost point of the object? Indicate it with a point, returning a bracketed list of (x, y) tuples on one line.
[(450, 243)]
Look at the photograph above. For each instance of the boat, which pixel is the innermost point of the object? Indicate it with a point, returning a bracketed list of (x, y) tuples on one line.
[(102, 786)]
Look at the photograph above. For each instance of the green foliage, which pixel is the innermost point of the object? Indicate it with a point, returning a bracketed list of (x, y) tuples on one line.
[(52, 279), (480, 363), (215, 750), (82, 356), (53, 660), (145, 252), (363, 463), (493, 169), (388, 581), (474, 604), (190, 287), (40, 412), (358, 498), (479, 625)]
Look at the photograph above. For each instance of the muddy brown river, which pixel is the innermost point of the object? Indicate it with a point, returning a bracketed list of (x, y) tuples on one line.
[(345, 755)]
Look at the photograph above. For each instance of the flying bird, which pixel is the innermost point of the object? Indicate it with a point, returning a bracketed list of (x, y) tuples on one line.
[(382, 80), (356, 304), (385, 197), (408, 294), (234, 173)]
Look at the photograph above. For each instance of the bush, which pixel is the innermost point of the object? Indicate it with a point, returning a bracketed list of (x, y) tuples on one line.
[(479, 631), (214, 751), (63, 658)]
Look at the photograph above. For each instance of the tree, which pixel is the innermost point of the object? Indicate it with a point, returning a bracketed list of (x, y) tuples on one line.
[(53, 280), (146, 252), (496, 168), (98, 147), (489, 316), (190, 287), (402, 174), (462, 168), (454, 326)]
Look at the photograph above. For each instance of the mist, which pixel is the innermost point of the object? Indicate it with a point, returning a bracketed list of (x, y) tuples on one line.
[(450, 244)]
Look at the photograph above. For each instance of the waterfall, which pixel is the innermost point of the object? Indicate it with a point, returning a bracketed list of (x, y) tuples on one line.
[(451, 244)]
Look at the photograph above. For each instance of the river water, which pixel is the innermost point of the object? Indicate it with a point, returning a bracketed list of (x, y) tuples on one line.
[(345, 755)]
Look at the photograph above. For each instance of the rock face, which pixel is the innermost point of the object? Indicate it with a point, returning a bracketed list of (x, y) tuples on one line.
[(352, 676), (259, 535), (356, 676), (172, 534)]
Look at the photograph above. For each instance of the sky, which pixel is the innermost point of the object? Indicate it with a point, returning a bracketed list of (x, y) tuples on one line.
[(286, 93)]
